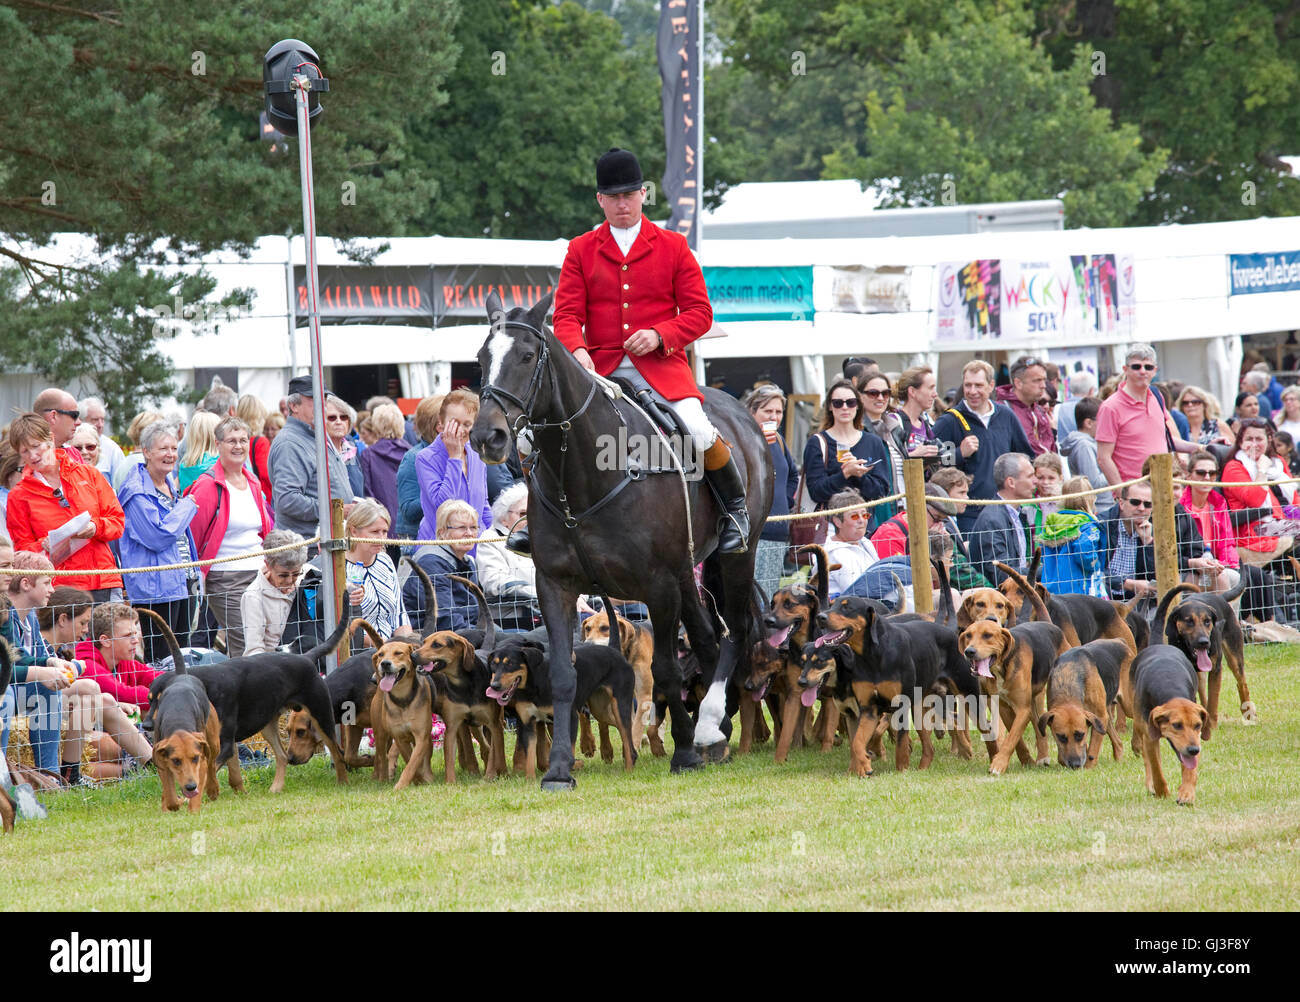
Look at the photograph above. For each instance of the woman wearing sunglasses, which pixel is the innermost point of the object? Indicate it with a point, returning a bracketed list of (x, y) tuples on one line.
[(879, 417), (339, 418), (841, 454), (53, 491), (1202, 413), (1210, 510)]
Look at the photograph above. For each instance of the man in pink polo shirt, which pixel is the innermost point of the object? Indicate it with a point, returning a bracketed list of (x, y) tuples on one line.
[(1132, 421)]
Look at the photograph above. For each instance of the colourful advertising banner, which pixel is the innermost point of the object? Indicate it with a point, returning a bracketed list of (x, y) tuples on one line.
[(1083, 297)]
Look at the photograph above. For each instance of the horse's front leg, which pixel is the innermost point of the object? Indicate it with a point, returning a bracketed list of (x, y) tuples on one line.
[(559, 609)]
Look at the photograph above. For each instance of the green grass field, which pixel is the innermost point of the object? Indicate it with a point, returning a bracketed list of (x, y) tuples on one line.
[(747, 835)]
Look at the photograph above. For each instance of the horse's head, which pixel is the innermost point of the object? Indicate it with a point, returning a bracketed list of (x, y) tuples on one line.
[(513, 360)]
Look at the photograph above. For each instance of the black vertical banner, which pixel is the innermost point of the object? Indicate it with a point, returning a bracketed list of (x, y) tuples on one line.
[(680, 71)]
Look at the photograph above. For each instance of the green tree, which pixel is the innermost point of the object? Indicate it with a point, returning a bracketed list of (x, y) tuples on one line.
[(539, 93), (1004, 126), (926, 98), (1216, 82), (140, 126)]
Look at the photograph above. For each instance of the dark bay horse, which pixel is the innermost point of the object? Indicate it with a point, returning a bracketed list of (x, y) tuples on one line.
[(609, 528)]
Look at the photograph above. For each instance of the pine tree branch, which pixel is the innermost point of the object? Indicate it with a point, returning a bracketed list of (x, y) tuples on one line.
[(56, 8)]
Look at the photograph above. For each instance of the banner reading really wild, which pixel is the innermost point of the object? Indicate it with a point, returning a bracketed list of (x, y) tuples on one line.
[(1088, 297)]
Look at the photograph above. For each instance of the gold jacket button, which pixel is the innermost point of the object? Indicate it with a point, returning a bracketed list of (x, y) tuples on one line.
[(625, 326), (625, 267), (626, 286)]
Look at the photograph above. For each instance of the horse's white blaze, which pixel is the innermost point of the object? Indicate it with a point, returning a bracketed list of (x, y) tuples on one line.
[(498, 347), (707, 731)]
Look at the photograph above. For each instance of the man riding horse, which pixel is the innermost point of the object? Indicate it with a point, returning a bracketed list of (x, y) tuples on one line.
[(631, 298)]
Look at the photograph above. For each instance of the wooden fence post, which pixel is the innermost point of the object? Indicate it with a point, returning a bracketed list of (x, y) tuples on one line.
[(340, 576), (918, 534), (1163, 523)]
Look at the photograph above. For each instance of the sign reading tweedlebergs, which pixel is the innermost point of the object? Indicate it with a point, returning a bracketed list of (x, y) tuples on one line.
[(1252, 273), (862, 289), (1079, 297)]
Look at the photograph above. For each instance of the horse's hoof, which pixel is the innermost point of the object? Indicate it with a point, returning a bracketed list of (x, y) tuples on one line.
[(716, 753), (558, 785), (685, 760)]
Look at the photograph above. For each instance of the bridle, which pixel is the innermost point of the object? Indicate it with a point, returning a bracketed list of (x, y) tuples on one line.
[(525, 406)]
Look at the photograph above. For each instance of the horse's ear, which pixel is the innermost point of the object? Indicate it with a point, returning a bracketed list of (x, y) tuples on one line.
[(538, 313), (495, 310)]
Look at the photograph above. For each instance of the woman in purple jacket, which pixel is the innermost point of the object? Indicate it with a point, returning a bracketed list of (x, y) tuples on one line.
[(449, 468), (158, 533)]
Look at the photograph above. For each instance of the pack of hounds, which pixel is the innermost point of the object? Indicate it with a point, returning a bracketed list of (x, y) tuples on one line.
[(1071, 667)]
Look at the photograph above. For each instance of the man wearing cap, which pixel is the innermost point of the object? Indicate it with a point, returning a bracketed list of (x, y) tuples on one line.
[(292, 464), (631, 297)]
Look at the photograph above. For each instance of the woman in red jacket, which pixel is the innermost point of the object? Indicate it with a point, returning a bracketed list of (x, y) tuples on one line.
[(233, 517), (54, 490), (1255, 462)]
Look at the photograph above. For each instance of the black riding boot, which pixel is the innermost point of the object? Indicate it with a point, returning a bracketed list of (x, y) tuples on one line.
[(724, 480)]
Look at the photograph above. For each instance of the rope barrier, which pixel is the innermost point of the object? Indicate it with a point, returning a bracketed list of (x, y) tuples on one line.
[(95, 572), (833, 511), (1056, 497)]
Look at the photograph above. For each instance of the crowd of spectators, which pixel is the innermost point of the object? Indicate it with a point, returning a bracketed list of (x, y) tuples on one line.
[(236, 481)]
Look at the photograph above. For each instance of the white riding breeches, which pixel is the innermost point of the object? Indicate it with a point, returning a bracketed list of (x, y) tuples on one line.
[(688, 409)]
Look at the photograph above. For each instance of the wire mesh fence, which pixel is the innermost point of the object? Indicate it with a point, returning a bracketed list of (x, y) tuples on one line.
[(83, 667)]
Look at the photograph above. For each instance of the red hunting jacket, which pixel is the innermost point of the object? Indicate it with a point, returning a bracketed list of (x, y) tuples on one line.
[(604, 298)]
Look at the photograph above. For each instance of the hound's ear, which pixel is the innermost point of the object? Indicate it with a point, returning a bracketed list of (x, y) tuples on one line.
[(1011, 615), (1008, 644), (1098, 724), (374, 659), (963, 615), (204, 748), (495, 311), (1205, 715), (534, 656), (161, 750), (1044, 722), (1155, 721)]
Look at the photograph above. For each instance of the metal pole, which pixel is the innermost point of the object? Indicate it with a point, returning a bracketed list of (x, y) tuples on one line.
[(699, 142), (289, 292), (328, 586)]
